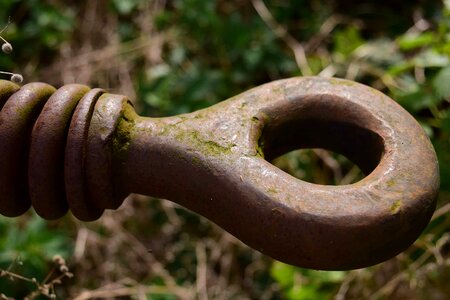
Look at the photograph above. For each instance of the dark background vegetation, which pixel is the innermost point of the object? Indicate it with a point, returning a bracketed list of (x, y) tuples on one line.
[(177, 56)]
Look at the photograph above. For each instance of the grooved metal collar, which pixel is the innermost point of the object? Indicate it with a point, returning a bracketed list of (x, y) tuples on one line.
[(86, 150)]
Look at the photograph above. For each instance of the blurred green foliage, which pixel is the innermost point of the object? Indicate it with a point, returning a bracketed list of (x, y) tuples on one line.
[(303, 284), (27, 248), (212, 50)]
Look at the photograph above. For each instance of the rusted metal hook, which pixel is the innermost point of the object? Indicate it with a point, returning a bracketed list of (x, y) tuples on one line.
[(86, 150)]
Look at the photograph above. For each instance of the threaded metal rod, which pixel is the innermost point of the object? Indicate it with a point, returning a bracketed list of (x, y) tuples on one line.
[(85, 150), (44, 137)]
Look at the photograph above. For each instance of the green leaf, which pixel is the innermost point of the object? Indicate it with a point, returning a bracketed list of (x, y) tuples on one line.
[(445, 123), (283, 273), (125, 7), (400, 68), (427, 128), (411, 41), (379, 51), (442, 147), (328, 276), (348, 40), (310, 292), (431, 58), (447, 4), (415, 97), (417, 100), (441, 82)]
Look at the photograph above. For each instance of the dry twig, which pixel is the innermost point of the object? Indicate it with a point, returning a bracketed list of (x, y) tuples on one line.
[(282, 33)]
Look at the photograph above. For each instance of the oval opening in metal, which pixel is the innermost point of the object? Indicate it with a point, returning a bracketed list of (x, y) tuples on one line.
[(319, 166), (325, 122)]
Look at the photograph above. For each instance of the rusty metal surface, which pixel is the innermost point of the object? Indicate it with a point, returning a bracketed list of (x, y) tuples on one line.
[(6, 90), (99, 173), (46, 158), (16, 120), (216, 162), (80, 204), (211, 161)]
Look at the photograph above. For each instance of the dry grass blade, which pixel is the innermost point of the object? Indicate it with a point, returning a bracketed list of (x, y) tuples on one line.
[(280, 31)]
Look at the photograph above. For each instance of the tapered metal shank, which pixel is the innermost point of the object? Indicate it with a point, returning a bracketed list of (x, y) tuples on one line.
[(86, 150)]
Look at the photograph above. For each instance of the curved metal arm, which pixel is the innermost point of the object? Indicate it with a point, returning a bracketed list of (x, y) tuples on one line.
[(89, 150)]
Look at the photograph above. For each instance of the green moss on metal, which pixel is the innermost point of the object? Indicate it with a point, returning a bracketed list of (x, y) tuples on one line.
[(272, 190), (207, 147), (123, 133), (260, 150), (336, 81), (30, 108), (216, 149), (395, 207), (391, 183), (277, 90), (74, 99), (260, 120)]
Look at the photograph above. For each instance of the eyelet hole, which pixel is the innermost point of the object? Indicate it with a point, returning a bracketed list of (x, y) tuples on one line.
[(325, 122), (319, 166)]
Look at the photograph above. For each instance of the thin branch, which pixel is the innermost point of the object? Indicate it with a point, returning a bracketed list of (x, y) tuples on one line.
[(7, 25), (282, 33), (324, 32), (441, 211), (14, 275), (330, 162), (107, 293), (202, 270)]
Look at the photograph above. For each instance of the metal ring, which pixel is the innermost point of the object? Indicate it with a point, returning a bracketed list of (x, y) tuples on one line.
[(17, 118), (80, 204), (46, 158)]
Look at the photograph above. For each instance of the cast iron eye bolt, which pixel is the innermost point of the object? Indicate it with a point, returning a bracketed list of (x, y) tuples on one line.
[(86, 150)]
